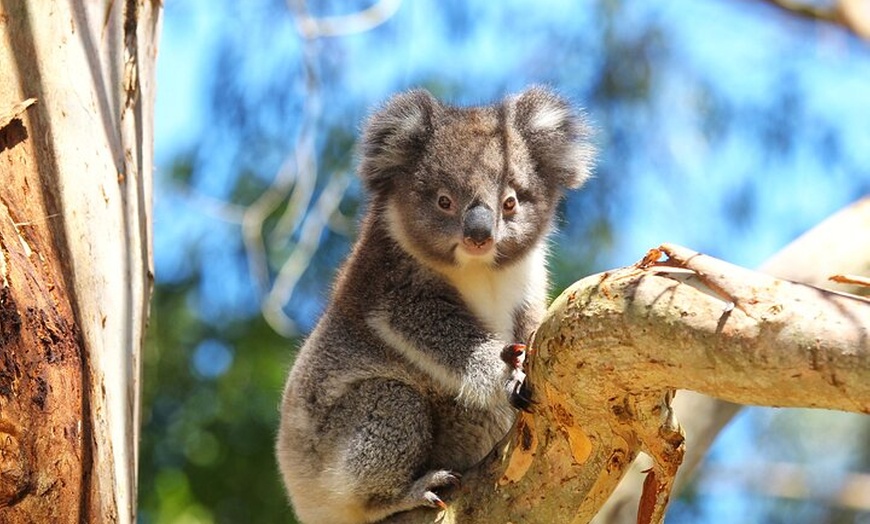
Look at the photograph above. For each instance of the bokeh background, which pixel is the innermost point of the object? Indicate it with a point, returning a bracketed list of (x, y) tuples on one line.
[(729, 126)]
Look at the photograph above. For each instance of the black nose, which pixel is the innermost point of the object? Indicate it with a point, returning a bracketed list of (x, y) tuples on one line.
[(478, 223)]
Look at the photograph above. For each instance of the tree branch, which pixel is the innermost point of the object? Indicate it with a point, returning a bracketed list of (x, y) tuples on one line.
[(852, 15), (840, 244), (613, 349)]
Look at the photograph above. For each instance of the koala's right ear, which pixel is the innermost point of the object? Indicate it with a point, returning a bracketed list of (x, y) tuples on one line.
[(395, 137), (557, 136)]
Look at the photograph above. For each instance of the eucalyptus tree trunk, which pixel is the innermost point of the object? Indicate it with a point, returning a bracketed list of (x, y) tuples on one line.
[(76, 104)]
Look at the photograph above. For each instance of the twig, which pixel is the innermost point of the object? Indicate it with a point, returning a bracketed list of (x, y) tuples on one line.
[(850, 279), (328, 26), (852, 15)]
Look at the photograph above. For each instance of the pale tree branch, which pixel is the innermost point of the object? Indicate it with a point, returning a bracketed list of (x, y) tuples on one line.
[(852, 15), (291, 271), (613, 349), (312, 27), (790, 481), (297, 179), (615, 345), (839, 244)]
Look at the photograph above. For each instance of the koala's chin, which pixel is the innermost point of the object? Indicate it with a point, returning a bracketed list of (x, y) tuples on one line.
[(470, 254)]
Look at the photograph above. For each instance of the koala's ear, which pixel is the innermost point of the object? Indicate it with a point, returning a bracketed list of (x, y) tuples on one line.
[(557, 136), (395, 137)]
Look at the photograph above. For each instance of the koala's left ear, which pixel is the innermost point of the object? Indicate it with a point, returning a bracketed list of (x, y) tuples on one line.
[(557, 135)]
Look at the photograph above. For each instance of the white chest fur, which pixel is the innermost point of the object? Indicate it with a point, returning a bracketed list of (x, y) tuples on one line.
[(494, 295)]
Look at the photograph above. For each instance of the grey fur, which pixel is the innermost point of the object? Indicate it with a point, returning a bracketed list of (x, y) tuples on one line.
[(401, 384)]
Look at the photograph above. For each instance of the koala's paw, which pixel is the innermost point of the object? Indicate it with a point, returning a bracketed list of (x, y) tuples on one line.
[(519, 392), (514, 355), (424, 488)]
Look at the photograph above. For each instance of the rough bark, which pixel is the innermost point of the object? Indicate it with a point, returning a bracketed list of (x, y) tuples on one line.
[(616, 346), (75, 164)]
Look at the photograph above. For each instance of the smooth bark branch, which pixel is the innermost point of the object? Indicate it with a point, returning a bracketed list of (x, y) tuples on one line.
[(839, 244), (782, 344), (615, 346), (852, 15)]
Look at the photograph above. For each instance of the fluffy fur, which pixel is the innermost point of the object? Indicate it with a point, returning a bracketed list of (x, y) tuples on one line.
[(401, 384)]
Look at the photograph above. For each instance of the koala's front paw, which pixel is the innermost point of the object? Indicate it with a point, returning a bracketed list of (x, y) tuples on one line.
[(514, 355), (519, 392), (424, 487)]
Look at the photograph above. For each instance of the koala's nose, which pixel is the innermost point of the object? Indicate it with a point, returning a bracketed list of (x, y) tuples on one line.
[(477, 226)]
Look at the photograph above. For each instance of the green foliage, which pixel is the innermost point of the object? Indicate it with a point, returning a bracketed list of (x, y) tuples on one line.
[(207, 436)]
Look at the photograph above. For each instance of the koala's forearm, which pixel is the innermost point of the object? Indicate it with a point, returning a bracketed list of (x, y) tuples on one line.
[(466, 361)]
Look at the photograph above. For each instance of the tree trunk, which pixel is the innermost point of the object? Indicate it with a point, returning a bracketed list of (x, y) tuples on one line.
[(76, 104)]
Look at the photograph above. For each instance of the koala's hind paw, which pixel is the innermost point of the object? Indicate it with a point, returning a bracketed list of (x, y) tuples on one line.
[(434, 500), (424, 488), (519, 392)]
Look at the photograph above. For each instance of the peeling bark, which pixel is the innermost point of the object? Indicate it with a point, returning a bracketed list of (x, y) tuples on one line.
[(40, 380)]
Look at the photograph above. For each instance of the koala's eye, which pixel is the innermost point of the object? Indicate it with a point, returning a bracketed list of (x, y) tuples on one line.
[(509, 205), (445, 203)]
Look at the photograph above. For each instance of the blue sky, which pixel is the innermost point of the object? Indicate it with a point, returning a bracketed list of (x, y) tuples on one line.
[(726, 43)]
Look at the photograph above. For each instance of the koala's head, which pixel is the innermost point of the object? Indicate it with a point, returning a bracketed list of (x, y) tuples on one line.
[(472, 185)]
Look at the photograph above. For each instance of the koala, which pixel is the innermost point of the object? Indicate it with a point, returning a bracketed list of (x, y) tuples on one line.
[(402, 385)]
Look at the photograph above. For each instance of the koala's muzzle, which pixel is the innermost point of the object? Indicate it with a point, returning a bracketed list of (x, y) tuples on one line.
[(477, 228)]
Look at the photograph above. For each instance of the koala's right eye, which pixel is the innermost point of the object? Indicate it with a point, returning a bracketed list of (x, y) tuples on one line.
[(445, 203)]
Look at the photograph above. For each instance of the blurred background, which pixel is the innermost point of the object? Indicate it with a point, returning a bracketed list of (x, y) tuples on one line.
[(729, 126)]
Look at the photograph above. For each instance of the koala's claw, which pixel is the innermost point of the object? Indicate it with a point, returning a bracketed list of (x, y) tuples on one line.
[(435, 480), (434, 500), (514, 355), (519, 393)]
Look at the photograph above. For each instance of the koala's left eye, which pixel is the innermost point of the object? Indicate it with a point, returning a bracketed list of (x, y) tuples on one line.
[(445, 203), (509, 205)]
